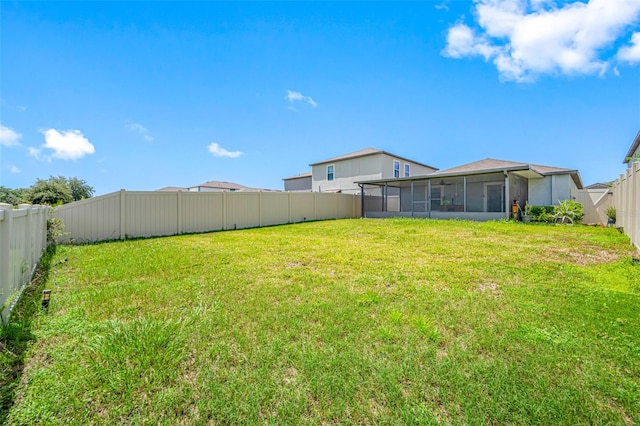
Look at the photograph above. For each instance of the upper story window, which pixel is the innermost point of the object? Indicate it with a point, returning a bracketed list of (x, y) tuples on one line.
[(396, 169), (330, 173), (406, 170)]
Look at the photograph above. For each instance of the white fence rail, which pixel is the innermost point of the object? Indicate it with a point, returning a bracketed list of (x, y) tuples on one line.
[(130, 214), (23, 238), (626, 192)]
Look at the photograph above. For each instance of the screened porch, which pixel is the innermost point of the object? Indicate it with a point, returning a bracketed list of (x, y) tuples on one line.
[(486, 196)]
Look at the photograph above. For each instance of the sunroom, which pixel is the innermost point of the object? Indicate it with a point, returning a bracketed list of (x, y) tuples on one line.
[(484, 190)]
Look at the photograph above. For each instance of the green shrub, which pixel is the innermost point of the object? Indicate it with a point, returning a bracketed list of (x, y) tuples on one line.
[(568, 211), (541, 213), (611, 213)]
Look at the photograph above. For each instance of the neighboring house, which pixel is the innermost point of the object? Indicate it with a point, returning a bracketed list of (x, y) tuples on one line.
[(340, 174), (599, 186), (482, 190), (220, 186), (301, 182), (634, 151), (171, 189)]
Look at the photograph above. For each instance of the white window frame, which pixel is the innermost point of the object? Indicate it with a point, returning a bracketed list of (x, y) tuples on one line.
[(333, 172), (407, 169), (396, 169)]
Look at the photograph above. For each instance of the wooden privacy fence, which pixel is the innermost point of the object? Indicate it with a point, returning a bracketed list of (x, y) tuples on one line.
[(130, 214), (626, 192), (23, 238)]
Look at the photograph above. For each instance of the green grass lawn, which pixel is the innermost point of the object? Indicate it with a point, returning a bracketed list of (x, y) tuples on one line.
[(350, 321)]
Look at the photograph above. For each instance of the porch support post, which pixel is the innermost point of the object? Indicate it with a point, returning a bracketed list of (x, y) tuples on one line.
[(411, 198), (464, 190), (385, 202), (428, 197), (507, 200)]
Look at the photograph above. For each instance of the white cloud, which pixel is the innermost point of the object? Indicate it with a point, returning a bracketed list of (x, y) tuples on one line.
[(527, 38), (631, 53), (9, 137), (66, 145), (14, 169), (218, 151), (299, 97), (139, 128)]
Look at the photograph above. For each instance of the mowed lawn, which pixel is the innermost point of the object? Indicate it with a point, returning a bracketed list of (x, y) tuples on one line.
[(341, 322)]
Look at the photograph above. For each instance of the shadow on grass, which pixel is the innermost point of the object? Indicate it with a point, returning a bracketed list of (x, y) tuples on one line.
[(15, 334)]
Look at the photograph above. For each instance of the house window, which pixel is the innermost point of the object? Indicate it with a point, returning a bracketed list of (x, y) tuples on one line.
[(406, 170), (396, 169), (330, 172)]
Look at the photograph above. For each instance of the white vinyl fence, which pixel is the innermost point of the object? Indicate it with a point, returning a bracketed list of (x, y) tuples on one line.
[(626, 192), (130, 214), (595, 203), (23, 238)]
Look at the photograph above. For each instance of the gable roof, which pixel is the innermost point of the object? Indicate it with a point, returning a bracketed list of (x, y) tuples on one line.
[(300, 176), (366, 152), (489, 165), (599, 185), (634, 146), (171, 189), (231, 186), (217, 184), (492, 164)]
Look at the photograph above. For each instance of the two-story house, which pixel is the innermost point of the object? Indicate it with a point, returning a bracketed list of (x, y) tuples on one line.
[(340, 174)]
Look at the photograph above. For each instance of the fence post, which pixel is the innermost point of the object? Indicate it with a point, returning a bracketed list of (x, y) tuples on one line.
[(28, 254), (260, 209), (123, 214), (224, 210), (179, 202), (289, 199), (6, 237)]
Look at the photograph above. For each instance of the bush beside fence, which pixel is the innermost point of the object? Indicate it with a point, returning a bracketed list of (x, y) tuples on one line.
[(23, 238), (131, 214), (626, 192)]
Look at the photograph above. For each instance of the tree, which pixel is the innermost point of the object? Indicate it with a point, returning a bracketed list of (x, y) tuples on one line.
[(80, 189), (53, 191), (12, 196), (58, 190)]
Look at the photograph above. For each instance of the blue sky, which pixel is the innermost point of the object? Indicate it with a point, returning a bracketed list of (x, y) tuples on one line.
[(142, 95)]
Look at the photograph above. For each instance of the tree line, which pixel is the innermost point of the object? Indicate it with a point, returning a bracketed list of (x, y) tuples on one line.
[(53, 191)]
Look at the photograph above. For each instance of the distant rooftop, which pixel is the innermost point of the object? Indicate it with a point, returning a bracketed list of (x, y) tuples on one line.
[(301, 175)]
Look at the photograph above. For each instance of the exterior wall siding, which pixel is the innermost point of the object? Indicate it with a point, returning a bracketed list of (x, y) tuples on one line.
[(346, 172), (298, 184), (370, 167), (126, 214)]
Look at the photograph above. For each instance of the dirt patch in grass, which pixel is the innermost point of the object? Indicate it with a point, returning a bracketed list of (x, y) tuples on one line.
[(584, 258)]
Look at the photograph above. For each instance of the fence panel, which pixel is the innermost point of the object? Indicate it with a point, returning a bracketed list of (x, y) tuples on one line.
[(126, 214), (94, 219), (303, 206), (626, 190), (151, 214), (275, 208), (23, 238), (201, 211)]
